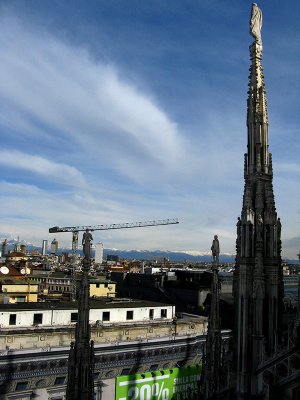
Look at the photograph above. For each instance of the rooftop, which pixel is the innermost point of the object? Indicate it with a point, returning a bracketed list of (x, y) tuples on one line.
[(10, 280), (105, 303)]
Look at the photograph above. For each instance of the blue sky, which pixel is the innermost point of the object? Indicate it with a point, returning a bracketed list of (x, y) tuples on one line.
[(122, 111)]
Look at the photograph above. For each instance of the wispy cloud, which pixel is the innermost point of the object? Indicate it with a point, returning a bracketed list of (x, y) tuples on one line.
[(59, 88), (41, 166)]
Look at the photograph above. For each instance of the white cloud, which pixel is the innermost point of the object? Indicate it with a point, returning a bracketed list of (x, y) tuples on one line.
[(41, 166), (29, 211), (82, 102)]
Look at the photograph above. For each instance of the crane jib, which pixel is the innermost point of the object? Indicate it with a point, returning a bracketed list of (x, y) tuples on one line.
[(57, 229)]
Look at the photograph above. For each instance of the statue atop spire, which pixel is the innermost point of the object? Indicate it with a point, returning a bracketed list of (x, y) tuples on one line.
[(86, 244), (256, 23), (215, 249)]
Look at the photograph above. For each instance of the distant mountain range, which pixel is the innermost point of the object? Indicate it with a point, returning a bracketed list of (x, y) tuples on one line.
[(179, 256), (149, 255)]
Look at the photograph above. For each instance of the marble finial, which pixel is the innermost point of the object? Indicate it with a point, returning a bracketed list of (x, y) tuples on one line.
[(256, 23)]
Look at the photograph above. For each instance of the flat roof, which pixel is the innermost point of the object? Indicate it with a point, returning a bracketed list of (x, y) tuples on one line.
[(104, 303), (9, 280)]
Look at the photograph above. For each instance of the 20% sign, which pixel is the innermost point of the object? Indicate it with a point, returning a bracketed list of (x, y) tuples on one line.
[(155, 391)]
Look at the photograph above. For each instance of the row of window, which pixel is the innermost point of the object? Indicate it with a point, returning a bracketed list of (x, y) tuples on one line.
[(38, 317), (19, 299), (105, 284), (59, 288), (60, 380), (129, 314), (52, 281)]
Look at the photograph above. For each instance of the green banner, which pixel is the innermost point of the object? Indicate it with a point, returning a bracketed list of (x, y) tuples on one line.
[(170, 384)]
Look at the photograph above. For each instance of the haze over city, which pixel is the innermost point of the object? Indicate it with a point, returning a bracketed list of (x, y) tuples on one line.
[(117, 113)]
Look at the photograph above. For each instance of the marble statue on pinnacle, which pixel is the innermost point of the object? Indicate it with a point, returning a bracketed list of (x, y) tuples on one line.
[(86, 243), (256, 23), (215, 249)]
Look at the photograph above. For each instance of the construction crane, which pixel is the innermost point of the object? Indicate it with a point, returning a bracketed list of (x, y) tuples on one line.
[(114, 226), (76, 229)]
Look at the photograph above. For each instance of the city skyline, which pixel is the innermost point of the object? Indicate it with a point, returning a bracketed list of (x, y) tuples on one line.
[(118, 113)]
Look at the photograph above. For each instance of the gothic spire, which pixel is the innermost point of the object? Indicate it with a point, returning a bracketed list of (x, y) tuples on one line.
[(258, 276), (81, 357), (213, 357)]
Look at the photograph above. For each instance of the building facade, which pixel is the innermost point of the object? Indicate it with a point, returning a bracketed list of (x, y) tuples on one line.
[(44, 247), (129, 337), (18, 290), (99, 253), (103, 312)]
